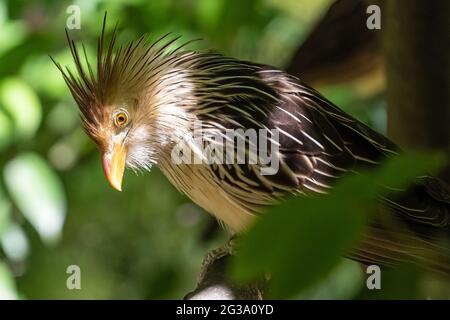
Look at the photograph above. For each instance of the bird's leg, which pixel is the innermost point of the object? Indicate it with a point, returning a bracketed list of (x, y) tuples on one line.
[(216, 254), (214, 283)]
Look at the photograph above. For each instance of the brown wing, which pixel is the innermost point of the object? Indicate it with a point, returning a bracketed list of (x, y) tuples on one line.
[(319, 143), (413, 224)]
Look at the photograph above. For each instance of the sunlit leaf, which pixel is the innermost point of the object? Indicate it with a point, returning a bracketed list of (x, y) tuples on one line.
[(7, 286), (36, 66), (38, 193), (15, 242), (12, 33), (22, 103)]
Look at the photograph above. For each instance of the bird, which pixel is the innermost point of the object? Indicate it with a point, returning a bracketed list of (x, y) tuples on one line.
[(146, 97)]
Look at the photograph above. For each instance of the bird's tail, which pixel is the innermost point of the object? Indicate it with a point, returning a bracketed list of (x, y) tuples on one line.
[(388, 247)]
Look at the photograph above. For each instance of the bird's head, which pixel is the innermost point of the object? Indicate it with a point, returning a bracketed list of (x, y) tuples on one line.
[(133, 104)]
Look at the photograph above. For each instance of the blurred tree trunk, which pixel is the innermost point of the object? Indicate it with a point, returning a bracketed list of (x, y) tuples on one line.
[(340, 49), (416, 39)]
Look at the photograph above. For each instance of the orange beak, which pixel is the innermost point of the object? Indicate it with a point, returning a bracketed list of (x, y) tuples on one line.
[(114, 166)]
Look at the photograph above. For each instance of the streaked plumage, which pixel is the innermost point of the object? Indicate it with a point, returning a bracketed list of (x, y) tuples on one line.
[(165, 91)]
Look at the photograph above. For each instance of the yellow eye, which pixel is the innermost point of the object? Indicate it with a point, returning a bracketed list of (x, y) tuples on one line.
[(121, 118)]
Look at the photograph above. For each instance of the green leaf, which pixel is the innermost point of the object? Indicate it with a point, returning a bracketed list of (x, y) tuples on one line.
[(38, 193), (299, 242), (20, 101), (37, 65), (302, 240), (15, 242), (208, 13), (398, 172), (12, 33), (7, 285)]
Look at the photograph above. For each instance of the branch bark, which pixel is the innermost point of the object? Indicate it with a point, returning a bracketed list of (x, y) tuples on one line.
[(215, 283)]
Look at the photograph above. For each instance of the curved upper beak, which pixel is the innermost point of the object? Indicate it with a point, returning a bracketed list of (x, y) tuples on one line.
[(114, 165)]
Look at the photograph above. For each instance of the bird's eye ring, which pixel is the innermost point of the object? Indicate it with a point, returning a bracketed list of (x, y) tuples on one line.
[(121, 118)]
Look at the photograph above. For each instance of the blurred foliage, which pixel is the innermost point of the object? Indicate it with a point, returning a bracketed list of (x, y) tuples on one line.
[(56, 208), (299, 249)]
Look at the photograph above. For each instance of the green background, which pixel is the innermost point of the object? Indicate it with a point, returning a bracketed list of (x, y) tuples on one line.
[(56, 208)]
